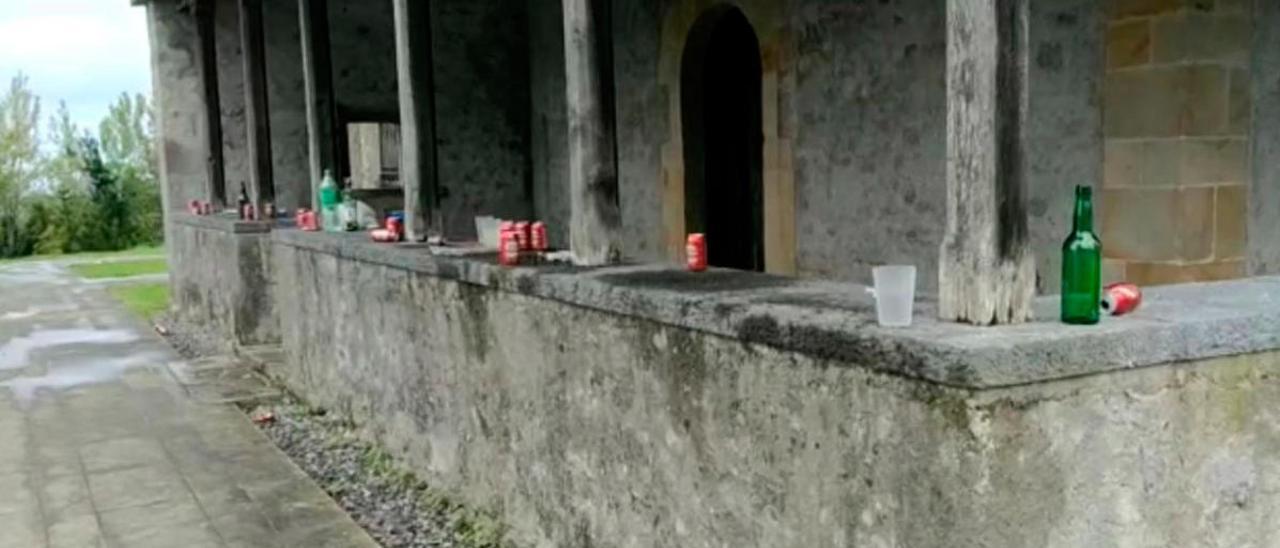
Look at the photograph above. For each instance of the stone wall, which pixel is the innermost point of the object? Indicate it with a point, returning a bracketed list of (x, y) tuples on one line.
[(221, 279), (1174, 206), (584, 427), (181, 132)]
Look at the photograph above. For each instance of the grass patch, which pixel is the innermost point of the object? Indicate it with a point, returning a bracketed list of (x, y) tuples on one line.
[(122, 269), (145, 300), (141, 251)]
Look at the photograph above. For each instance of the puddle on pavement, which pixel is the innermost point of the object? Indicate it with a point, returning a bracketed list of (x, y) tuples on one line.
[(33, 273), (76, 375), (16, 353), (33, 311)]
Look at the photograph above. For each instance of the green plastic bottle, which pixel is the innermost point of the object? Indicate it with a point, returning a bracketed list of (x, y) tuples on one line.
[(1082, 265), (329, 200)]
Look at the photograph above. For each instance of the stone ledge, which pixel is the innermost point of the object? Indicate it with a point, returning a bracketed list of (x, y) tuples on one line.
[(835, 321), (222, 222)]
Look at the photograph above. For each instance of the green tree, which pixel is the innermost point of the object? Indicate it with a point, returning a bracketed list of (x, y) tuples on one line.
[(19, 162)]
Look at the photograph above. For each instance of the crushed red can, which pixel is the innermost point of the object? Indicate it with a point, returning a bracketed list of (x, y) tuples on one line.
[(695, 252), (393, 224), (538, 236), (1121, 298), (193, 207)]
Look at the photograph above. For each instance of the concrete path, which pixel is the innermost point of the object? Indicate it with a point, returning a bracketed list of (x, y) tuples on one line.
[(100, 447)]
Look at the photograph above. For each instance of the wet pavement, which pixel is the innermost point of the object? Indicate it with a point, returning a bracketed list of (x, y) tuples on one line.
[(102, 446)]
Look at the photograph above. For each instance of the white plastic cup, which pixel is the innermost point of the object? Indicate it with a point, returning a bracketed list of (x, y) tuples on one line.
[(895, 294), (487, 231)]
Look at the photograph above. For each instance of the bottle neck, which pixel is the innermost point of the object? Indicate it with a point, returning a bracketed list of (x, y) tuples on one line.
[(1083, 221)]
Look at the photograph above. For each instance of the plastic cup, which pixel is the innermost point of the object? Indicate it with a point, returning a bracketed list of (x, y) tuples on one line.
[(487, 231), (895, 294)]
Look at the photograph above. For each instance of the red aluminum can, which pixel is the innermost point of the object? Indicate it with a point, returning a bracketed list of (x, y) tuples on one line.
[(1121, 298), (523, 236), (695, 252), (508, 248), (393, 224), (193, 207), (538, 236)]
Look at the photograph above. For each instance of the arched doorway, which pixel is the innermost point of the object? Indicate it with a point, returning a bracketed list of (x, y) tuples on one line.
[(720, 110)]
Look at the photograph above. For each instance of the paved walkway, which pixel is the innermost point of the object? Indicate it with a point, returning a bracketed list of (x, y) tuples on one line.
[(100, 447)]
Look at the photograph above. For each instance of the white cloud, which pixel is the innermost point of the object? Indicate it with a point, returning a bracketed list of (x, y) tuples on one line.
[(84, 52)]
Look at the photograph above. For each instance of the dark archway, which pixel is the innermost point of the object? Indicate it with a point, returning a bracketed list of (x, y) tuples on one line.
[(720, 110)]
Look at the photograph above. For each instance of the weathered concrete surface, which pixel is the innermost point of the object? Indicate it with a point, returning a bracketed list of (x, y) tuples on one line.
[(481, 54), (836, 321), (221, 279), (364, 60), (231, 96), (180, 106), (596, 428), (549, 124), (1264, 190), (287, 105), (101, 448)]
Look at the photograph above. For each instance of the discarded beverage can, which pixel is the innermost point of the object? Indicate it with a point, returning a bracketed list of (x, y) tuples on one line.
[(193, 207), (268, 211), (206, 208), (538, 236), (1121, 298), (383, 235), (695, 251), (393, 224), (250, 213), (508, 248)]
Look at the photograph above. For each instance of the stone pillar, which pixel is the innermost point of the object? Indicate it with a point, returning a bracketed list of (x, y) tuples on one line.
[(1264, 189), (593, 179), (986, 271), (257, 120), (317, 71), (207, 58), (231, 94), (288, 104), (179, 97), (417, 118)]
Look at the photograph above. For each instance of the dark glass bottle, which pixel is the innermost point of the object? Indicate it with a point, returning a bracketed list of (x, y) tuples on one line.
[(1082, 265), (242, 201)]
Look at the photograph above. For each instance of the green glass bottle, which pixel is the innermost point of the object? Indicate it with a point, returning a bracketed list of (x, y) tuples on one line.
[(1082, 265)]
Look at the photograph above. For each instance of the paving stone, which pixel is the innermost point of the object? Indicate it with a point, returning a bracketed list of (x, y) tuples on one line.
[(21, 529), (16, 493), (122, 453), (65, 496), (162, 525), (140, 486), (80, 531)]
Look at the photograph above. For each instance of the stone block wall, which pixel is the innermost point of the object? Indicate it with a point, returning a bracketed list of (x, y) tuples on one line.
[(1174, 203)]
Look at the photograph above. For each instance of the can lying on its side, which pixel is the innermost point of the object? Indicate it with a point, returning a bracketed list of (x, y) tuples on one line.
[(1121, 298)]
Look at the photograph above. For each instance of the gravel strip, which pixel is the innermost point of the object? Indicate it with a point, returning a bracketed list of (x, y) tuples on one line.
[(385, 501)]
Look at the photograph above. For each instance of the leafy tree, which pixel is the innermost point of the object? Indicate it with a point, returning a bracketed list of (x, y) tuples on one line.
[(19, 162)]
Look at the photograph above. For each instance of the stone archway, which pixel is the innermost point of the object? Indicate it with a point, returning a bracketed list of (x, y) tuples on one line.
[(723, 137)]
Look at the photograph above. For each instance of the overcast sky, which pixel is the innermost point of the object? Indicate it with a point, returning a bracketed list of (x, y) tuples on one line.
[(84, 52)]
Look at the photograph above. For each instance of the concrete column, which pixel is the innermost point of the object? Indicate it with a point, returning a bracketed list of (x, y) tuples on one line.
[(207, 58), (593, 179), (231, 94), (417, 118), (257, 119), (986, 269), (288, 104), (317, 70), (179, 96), (1264, 189)]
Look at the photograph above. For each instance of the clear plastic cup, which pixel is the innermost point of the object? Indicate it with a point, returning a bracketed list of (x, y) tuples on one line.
[(487, 231), (895, 294)]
